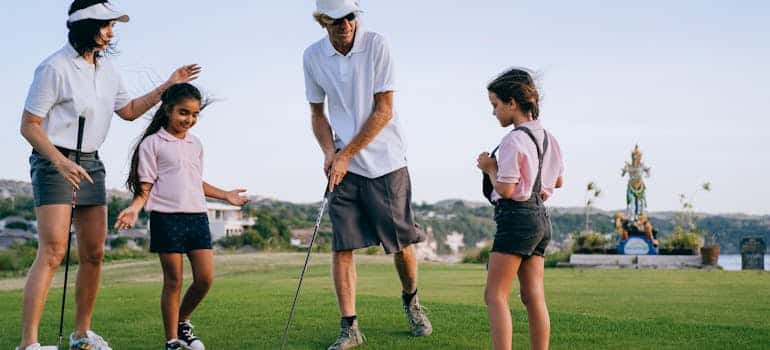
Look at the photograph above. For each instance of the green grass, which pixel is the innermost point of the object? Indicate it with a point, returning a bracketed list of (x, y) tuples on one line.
[(590, 309)]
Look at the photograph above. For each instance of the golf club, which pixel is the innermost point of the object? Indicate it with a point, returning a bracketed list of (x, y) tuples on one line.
[(304, 267), (81, 125)]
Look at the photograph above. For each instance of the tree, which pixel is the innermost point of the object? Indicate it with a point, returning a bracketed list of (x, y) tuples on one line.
[(592, 193)]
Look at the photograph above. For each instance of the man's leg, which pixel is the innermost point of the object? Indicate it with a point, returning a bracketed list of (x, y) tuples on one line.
[(406, 265), (344, 273)]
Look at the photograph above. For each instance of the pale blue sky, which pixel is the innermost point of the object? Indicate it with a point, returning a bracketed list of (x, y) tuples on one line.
[(687, 80)]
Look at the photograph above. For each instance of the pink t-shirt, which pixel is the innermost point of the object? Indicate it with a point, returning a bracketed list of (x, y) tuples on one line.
[(517, 162), (174, 167)]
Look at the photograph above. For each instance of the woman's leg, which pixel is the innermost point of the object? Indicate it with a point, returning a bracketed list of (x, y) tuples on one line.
[(52, 221), (91, 227), (172, 264), (202, 262), (502, 271), (533, 298)]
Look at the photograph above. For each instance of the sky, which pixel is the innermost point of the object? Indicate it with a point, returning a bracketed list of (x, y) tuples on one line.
[(686, 80)]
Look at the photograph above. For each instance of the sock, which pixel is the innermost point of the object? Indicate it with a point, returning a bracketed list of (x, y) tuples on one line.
[(407, 297), (347, 321), (172, 340)]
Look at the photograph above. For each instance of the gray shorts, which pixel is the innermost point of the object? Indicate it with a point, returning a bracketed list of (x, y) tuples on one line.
[(366, 212), (50, 187)]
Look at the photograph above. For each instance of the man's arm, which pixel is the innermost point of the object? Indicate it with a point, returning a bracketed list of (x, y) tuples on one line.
[(380, 117), (323, 134)]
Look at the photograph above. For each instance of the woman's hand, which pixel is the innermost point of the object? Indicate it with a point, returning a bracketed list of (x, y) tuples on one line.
[(72, 172), (486, 163), (185, 74), (127, 218), (234, 197)]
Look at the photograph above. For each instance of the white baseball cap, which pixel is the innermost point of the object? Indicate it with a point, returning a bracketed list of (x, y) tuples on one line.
[(337, 8), (101, 11)]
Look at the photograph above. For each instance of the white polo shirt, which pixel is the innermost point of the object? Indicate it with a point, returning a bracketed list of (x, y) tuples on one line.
[(348, 83), (67, 86)]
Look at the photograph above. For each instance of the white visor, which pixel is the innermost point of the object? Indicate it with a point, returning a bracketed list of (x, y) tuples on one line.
[(98, 11)]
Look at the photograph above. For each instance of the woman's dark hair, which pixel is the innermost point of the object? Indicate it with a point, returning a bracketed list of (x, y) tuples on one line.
[(517, 84), (173, 95), (83, 33)]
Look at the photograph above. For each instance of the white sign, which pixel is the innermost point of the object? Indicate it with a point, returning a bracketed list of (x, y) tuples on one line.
[(636, 246)]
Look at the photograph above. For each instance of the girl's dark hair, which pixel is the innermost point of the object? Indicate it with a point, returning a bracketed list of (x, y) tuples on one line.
[(173, 95), (517, 84), (83, 33)]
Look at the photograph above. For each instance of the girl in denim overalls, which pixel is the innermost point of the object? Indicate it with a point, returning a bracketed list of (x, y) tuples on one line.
[(527, 169)]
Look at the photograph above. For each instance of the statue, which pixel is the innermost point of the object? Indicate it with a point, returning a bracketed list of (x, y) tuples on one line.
[(637, 236), (636, 201)]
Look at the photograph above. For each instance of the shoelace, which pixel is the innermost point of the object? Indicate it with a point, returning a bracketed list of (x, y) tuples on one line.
[(418, 314), (187, 330), (344, 334)]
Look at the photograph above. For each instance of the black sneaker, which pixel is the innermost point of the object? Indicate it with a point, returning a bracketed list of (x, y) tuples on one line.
[(185, 334), (176, 345)]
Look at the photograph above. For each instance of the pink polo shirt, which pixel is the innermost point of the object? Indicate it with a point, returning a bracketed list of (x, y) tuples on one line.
[(174, 167), (517, 162)]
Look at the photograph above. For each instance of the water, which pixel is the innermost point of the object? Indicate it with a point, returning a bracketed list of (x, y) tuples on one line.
[(732, 262)]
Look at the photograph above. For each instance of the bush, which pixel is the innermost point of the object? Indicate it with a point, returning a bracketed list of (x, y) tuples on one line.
[(589, 242), (373, 250), (17, 225), (477, 256), (553, 259), (118, 242), (681, 242)]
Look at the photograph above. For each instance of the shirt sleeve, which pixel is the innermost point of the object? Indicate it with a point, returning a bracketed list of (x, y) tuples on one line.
[(557, 155), (384, 76), (148, 162), (509, 156), (44, 92), (313, 91), (122, 97)]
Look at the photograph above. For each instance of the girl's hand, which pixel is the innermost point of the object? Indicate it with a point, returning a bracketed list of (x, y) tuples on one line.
[(234, 197), (185, 74), (486, 163), (126, 218)]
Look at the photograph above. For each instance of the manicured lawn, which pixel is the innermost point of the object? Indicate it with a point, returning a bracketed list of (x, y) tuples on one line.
[(590, 309)]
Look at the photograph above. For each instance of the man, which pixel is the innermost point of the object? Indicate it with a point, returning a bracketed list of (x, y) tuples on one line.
[(365, 158)]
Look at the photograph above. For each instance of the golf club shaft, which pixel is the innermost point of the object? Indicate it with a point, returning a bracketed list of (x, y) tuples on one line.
[(81, 126), (304, 267)]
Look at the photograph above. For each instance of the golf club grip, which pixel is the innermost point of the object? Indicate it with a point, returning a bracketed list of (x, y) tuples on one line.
[(81, 126)]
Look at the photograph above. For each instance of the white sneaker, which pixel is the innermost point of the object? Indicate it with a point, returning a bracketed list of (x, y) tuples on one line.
[(92, 341), (35, 346)]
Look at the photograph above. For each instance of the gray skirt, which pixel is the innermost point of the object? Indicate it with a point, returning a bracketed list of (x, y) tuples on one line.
[(50, 187)]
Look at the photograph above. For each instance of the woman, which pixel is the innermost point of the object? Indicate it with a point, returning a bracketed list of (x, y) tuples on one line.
[(75, 81)]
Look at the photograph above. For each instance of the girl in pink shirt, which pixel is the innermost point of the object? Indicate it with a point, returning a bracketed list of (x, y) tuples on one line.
[(166, 179), (527, 169)]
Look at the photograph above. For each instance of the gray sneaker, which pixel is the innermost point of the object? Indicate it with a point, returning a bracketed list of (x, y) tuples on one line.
[(349, 338), (419, 324)]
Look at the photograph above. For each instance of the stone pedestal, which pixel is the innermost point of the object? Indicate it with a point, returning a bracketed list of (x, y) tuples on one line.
[(753, 253)]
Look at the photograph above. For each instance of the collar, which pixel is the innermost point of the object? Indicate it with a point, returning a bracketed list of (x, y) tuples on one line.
[(171, 138), (79, 61), (533, 125), (358, 44)]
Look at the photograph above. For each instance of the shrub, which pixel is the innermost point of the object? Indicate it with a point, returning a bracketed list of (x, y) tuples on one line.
[(590, 242), (477, 256)]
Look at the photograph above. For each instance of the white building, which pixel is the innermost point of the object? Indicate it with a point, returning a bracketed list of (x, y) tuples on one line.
[(226, 220)]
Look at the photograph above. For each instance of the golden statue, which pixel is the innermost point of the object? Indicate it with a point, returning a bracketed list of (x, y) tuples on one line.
[(636, 201)]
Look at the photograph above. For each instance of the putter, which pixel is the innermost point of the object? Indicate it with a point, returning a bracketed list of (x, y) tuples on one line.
[(81, 125), (304, 267)]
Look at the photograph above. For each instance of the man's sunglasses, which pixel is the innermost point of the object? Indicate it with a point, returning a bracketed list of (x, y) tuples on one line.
[(350, 17)]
